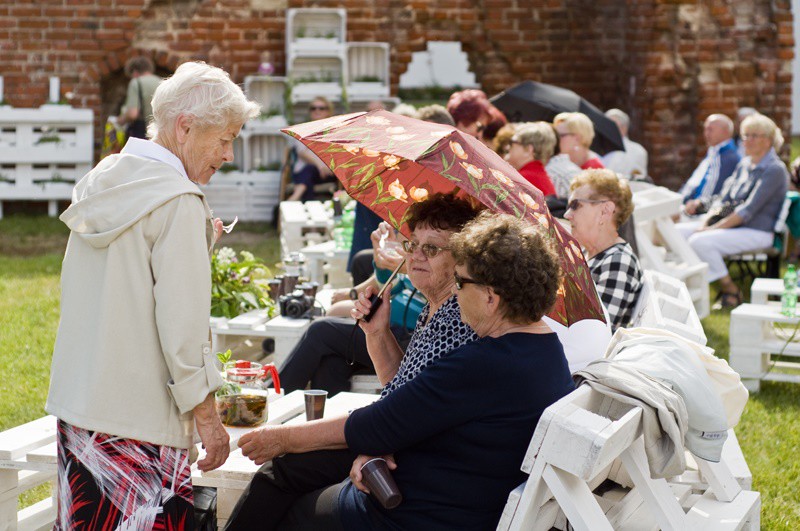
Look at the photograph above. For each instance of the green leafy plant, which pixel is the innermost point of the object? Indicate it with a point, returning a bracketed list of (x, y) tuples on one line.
[(367, 79), (228, 167), (300, 33), (48, 135), (274, 110), (228, 388), (330, 35), (273, 166), (239, 284)]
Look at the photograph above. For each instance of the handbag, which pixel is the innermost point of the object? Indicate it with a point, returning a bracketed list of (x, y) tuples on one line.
[(138, 127), (720, 211)]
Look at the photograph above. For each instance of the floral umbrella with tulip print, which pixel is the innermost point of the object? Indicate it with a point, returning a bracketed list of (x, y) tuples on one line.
[(387, 162)]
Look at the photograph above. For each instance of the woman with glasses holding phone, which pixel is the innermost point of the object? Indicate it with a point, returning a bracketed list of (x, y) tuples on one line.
[(309, 169), (599, 203), (456, 434), (328, 350)]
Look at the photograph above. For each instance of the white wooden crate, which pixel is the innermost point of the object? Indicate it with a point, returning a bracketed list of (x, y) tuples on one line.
[(43, 152), (665, 303), (269, 92), (315, 31), (317, 76), (303, 224), (367, 60)]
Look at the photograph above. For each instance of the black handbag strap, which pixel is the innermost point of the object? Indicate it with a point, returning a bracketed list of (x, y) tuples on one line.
[(141, 99)]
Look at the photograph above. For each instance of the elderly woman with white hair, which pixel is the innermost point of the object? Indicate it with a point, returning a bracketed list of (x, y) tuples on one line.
[(742, 218), (531, 147), (133, 376), (575, 133)]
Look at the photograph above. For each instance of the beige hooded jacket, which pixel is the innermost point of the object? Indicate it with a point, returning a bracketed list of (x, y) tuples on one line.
[(132, 356)]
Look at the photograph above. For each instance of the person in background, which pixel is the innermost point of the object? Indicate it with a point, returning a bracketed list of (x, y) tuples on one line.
[(376, 105), (404, 109), (599, 204), (452, 435), (497, 121), (309, 169), (133, 375), (742, 217), (435, 114), (631, 163), (575, 133), (470, 110), (502, 140), (741, 114), (137, 111), (710, 175), (531, 147)]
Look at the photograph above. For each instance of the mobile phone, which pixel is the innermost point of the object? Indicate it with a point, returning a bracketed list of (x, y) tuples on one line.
[(377, 300)]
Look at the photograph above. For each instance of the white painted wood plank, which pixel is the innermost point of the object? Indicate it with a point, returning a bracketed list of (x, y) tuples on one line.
[(15, 442)]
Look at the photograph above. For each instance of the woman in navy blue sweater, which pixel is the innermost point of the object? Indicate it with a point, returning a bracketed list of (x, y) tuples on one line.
[(455, 436)]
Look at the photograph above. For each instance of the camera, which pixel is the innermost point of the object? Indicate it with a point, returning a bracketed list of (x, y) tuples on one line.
[(296, 305)]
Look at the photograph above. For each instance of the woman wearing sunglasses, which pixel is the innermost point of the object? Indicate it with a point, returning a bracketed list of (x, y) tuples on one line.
[(454, 435), (599, 203), (333, 348), (308, 169)]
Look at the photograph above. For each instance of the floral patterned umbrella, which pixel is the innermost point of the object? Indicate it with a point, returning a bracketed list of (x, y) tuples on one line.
[(387, 162)]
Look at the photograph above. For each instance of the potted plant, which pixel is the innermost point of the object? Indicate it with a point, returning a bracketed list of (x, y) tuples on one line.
[(318, 40), (239, 284), (367, 86)]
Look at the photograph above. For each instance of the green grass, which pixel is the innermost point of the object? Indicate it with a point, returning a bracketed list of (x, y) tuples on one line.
[(30, 257)]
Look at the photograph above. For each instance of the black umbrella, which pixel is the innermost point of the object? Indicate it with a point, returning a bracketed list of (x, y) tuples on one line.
[(531, 101)]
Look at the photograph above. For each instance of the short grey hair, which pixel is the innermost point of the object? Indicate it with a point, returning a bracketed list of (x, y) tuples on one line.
[(203, 93), (723, 119), (436, 114), (619, 116), (763, 125), (404, 109), (540, 135)]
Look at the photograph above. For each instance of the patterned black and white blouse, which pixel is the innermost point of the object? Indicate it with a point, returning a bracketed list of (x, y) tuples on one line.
[(618, 276), (443, 333)]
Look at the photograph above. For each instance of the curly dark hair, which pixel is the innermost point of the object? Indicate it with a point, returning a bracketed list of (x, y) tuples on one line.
[(513, 258), (442, 212)]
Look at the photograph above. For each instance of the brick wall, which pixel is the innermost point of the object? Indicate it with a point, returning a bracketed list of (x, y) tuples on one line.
[(668, 62)]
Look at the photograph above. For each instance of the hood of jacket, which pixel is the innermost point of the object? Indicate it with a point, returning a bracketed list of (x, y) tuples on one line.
[(120, 191)]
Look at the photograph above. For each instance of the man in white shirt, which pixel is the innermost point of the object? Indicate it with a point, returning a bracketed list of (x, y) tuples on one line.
[(712, 172), (631, 163)]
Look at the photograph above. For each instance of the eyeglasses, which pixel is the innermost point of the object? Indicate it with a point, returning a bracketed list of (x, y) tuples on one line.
[(575, 204), (428, 249), (750, 136), (460, 281), (564, 135), (318, 108), (479, 127)]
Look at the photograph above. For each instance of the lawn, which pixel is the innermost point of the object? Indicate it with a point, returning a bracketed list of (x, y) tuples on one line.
[(30, 261)]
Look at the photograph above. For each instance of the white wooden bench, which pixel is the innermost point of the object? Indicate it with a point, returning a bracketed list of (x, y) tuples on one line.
[(585, 439), (665, 303), (663, 249)]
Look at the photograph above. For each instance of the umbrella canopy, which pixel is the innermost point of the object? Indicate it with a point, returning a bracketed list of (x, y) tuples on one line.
[(531, 101), (387, 162)]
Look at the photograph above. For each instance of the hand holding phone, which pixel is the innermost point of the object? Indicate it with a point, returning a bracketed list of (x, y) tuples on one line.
[(377, 300)]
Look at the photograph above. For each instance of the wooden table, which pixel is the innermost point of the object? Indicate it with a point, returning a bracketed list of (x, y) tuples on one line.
[(325, 258), (28, 458)]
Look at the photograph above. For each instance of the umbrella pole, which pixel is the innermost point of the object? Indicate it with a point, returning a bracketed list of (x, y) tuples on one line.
[(377, 300)]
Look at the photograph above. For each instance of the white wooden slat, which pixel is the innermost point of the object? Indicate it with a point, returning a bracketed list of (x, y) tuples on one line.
[(15, 442), (38, 516), (576, 500)]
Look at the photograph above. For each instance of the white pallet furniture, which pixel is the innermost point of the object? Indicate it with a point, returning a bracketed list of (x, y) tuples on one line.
[(327, 264), (663, 249), (315, 31), (270, 93), (251, 196), (584, 439), (43, 152), (757, 333), (312, 77), (367, 70), (665, 303), (232, 478), (285, 331), (764, 290), (303, 224)]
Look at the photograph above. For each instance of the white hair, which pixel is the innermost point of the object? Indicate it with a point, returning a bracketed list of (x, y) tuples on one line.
[(620, 116), (758, 123), (723, 119), (404, 109), (203, 93)]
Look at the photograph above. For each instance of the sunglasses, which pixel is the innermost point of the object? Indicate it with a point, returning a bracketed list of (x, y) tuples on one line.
[(575, 204), (428, 249), (479, 127), (565, 135), (460, 281), (317, 108)]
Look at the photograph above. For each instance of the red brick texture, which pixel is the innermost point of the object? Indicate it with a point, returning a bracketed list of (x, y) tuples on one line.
[(669, 63)]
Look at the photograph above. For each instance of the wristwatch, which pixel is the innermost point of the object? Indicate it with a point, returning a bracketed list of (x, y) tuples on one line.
[(353, 294)]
